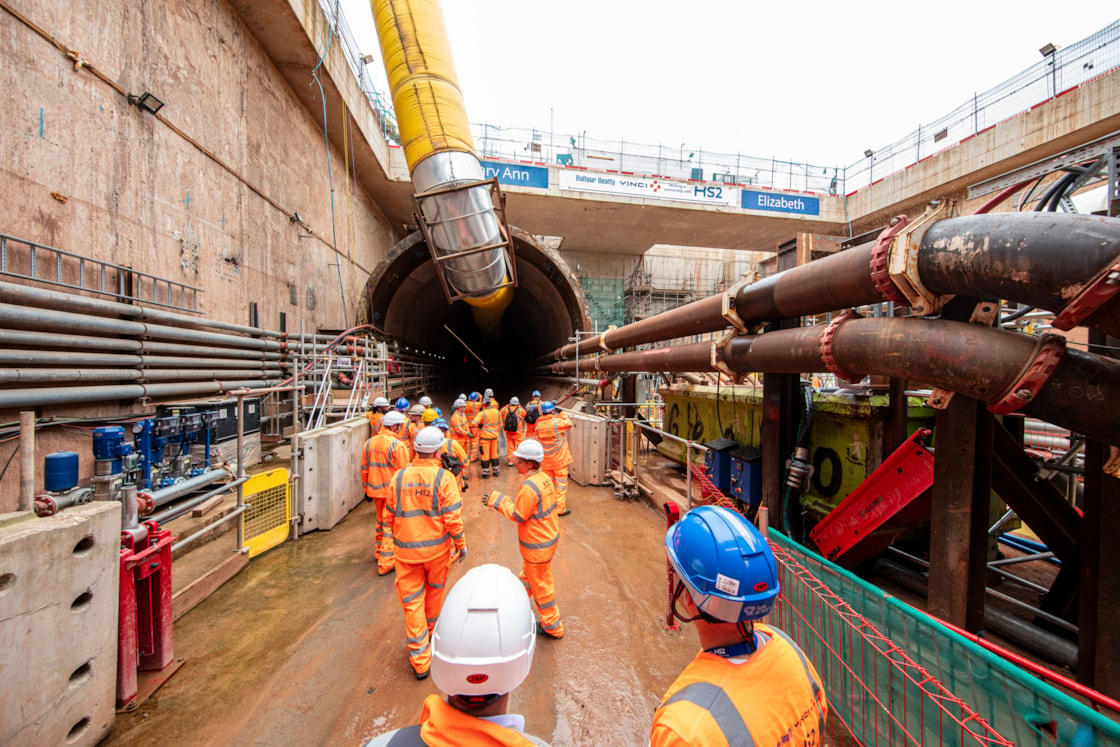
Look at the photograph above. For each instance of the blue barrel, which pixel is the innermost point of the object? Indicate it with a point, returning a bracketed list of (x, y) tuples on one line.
[(107, 442), (60, 471)]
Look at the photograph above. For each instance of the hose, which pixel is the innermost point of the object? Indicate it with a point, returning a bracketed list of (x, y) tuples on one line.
[(798, 470)]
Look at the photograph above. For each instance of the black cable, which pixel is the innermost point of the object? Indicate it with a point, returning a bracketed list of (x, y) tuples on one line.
[(9, 462), (1016, 315)]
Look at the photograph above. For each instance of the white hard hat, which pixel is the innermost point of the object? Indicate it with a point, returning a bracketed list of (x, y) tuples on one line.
[(463, 397), (416, 409), (426, 401), (461, 402), (484, 640), (530, 449), (488, 393), (380, 402), (392, 418), (428, 440), (514, 401)]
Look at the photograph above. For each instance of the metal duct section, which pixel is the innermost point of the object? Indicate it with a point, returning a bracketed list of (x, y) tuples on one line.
[(1060, 262), (469, 243)]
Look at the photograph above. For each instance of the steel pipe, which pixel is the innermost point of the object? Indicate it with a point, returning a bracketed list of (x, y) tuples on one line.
[(170, 493), (14, 337), (173, 348), (174, 512), (1038, 259), (13, 398)]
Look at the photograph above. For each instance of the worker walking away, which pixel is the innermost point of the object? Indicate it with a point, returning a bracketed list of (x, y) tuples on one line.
[(472, 409), (382, 456), (427, 535), (377, 410), (532, 413), (453, 456), (482, 649), (552, 431), (461, 427), (538, 532), (489, 424), (751, 684), (513, 423)]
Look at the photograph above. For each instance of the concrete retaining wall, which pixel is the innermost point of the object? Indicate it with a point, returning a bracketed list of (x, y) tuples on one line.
[(58, 625), (329, 484)]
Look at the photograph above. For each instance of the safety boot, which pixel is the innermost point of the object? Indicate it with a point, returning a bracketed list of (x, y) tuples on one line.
[(494, 466), (485, 469)]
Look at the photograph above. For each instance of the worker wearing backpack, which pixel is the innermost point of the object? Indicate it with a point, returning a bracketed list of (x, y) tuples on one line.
[(513, 423)]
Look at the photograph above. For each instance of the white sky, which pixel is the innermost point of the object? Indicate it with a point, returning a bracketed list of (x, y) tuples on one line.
[(808, 81)]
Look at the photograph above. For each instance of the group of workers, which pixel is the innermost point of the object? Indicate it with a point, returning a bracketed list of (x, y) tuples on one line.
[(751, 684)]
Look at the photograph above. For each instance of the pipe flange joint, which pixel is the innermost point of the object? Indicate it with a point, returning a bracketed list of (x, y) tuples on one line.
[(718, 362), (880, 275), (1095, 295), (730, 309), (1022, 392), (902, 260), (827, 356)]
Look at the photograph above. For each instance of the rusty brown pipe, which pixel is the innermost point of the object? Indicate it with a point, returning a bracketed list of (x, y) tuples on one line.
[(1040, 259)]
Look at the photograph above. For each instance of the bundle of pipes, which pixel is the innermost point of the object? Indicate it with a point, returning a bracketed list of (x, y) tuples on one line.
[(1068, 264), (119, 342)]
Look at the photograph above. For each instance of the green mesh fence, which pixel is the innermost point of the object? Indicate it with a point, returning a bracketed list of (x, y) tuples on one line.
[(604, 300), (896, 676)]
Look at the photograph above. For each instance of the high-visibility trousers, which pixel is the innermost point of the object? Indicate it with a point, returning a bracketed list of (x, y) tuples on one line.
[(384, 560), (488, 449), (560, 480), (513, 440), (472, 453), (530, 430), (420, 589), (537, 578), (465, 442)]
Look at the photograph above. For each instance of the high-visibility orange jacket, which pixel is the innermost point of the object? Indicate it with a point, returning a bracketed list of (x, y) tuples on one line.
[(455, 449), (552, 432), (413, 429), (460, 426), (534, 510), (471, 409), (488, 423), (774, 695), (442, 725), (426, 509), (374, 418), (505, 411), (382, 455)]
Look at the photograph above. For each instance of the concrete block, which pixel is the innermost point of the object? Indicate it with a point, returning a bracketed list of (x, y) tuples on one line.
[(588, 441), (329, 484), (59, 581)]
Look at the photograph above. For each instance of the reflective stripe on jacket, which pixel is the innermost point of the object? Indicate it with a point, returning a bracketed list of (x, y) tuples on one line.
[(504, 412), (534, 509), (772, 698), (442, 725), (488, 423), (426, 507), (460, 426), (382, 455), (374, 418), (552, 432)]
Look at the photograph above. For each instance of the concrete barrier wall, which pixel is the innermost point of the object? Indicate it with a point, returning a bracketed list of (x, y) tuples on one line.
[(330, 484), (59, 580), (588, 441)]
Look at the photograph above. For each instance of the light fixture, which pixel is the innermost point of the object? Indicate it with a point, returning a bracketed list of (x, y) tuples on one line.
[(146, 101), (366, 59), (868, 153), (1047, 50)]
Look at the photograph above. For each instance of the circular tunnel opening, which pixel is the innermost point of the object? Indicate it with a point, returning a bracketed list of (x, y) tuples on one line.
[(405, 298)]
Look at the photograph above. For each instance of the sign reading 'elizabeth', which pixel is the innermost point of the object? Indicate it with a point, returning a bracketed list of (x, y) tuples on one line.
[(780, 203)]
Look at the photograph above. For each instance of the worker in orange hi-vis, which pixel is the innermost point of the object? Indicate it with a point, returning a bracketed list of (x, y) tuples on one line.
[(552, 431), (538, 532), (489, 424), (461, 427), (751, 684), (453, 456), (415, 413), (427, 535), (471, 410), (382, 456), (377, 410), (513, 414), (532, 412)]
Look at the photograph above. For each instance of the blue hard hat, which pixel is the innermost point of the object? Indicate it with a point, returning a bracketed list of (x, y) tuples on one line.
[(547, 407), (725, 563), (536, 393), (441, 424), (402, 404), (475, 396), (439, 412)]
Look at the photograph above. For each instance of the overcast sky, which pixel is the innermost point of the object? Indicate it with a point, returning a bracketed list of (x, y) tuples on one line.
[(804, 81)]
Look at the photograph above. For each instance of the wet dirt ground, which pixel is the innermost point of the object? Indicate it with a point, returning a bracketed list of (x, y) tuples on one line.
[(307, 645)]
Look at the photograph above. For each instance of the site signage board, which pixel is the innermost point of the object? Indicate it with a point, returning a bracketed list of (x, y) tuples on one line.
[(780, 203), (638, 186), (516, 174)]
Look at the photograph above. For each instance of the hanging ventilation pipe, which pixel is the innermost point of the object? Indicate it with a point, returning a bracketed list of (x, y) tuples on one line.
[(469, 240)]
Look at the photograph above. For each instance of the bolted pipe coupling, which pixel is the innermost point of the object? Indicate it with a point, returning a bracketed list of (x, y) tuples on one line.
[(798, 468), (45, 505)]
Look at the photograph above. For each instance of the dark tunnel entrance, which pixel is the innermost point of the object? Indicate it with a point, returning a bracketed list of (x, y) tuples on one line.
[(404, 298)]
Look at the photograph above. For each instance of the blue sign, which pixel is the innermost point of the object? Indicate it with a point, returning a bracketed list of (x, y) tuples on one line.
[(780, 203), (516, 174)]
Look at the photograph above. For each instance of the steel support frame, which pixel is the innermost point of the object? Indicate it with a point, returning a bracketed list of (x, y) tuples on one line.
[(780, 395)]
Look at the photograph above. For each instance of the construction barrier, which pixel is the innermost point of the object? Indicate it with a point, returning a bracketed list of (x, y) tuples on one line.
[(896, 676), (268, 519)]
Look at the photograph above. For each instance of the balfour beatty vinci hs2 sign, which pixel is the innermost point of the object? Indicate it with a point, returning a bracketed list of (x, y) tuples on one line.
[(637, 186), (780, 203), (519, 175)]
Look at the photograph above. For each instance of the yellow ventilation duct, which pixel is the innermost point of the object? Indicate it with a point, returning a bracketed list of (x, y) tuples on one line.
[(469, 242)]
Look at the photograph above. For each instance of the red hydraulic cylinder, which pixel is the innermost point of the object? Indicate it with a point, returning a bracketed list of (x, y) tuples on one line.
[(145, 624), (672, 516)]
